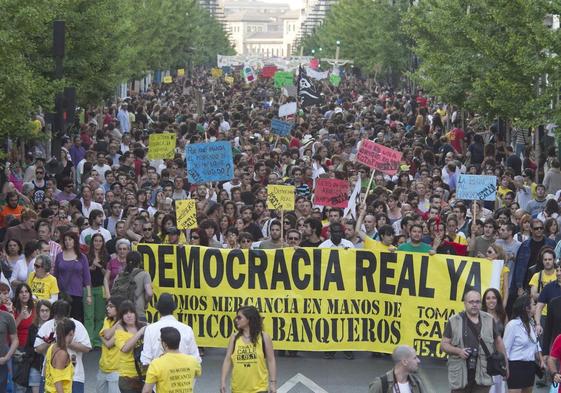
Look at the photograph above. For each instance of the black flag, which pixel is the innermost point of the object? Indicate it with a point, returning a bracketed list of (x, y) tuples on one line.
[(307, 93)]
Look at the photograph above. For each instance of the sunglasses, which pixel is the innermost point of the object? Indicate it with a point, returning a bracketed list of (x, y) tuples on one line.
[(537, 228), (37, 266), (195, 237), (147, 229), (293, 238)]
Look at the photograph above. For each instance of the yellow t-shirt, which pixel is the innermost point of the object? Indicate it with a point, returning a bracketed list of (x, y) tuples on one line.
[(374, 244), (109, 360), (173, 373), (43, 288), (546, 279), (249, 371), (53, 375), (126, 360)]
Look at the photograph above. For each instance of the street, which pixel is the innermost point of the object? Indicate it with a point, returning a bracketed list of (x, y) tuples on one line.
[(310, 373)]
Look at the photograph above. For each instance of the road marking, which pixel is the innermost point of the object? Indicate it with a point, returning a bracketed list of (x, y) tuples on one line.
[(299, 378)]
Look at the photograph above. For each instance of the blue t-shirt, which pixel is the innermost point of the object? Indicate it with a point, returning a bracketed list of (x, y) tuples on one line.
[(549, 292)]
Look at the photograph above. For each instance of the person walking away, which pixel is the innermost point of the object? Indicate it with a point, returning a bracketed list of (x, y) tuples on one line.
[(152, 348), (108, 374), (402, 377), (250, 356), (173, 371), (462, 342), (522, 346), (59, 364)]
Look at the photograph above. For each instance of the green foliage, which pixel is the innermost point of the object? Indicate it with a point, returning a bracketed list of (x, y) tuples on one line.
[(370, 34), (107, 42), (489, 56)]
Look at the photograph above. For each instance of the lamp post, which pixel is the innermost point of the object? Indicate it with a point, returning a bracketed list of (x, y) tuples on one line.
[(337, 50)]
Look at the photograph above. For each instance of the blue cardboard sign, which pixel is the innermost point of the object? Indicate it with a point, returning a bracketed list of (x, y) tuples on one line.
[(281, 128), (207, 162), (477, 187)]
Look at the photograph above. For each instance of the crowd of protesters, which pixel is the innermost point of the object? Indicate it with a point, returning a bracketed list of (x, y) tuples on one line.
[(69, 223)]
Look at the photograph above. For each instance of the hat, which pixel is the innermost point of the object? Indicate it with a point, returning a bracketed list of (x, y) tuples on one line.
[(172, 231), (404, 168), (307, 140), (165, 304)]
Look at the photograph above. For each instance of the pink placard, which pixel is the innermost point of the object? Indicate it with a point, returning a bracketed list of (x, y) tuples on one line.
[(332, 192), (379, 157)]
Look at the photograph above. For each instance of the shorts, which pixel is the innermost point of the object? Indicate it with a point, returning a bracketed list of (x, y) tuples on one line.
[(34, 377)]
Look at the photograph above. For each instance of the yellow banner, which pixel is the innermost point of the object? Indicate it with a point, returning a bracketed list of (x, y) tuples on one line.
[(161, 146), (168, 79), (181, 72), (280, 197), (318, 299), (186, 213)]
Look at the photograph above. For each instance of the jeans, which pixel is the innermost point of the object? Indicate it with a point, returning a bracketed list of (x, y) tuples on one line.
[(77, 387), (107, 382), (3, 378), (94, 314)]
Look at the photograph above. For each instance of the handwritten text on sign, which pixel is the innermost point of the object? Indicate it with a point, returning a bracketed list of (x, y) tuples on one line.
[(186, 212), (281, 128), (332, 192), (161, 146), (209, 162), (477, 187), (379, 157), (280, 197)]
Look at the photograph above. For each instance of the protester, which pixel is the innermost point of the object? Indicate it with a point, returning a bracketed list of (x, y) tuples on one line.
[(59, 364), (461, 341), (173, 371), (108, 374), (250, 356), (43, 285), (522, 346), (152, 348), (403, 377), (492, 304), (128, 334)]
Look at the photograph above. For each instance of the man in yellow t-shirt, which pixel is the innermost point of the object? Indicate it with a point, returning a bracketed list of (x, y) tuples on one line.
[(173, 372), (542, 278)]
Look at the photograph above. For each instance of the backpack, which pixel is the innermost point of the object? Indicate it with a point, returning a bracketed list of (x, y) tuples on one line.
[(124, 285)]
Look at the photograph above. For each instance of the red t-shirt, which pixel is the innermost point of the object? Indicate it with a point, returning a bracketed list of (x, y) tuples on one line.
[(23, 328), (555, 350)]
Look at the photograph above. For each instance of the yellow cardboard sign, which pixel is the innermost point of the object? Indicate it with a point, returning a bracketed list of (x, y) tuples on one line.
[(216, 72), (168, 79), (280, 197), (229, 80), (314, 299), (186, 213), (161, 146), (181, 72)]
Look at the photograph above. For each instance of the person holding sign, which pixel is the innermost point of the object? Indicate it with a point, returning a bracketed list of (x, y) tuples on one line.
[(250, 356)]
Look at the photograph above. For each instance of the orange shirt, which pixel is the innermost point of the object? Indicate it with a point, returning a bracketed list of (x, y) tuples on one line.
[(8, 211)]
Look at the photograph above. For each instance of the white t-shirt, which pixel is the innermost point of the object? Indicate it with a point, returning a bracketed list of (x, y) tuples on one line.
[(404, 387), (19, 270), (80, 336), (86, 235)]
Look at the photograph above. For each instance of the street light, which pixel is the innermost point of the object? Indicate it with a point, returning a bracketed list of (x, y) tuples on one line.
[(337, 51)]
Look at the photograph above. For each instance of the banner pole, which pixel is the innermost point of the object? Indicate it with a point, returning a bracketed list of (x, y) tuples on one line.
[(369, 185), (282, 225)]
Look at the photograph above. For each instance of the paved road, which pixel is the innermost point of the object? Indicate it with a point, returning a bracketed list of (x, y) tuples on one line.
[(309, 373)]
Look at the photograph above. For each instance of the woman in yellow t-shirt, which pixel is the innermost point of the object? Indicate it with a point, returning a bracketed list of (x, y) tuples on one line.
[(59, 367), (108, 374), (496, 253), (128, 334), (250, 356), (43, 284)]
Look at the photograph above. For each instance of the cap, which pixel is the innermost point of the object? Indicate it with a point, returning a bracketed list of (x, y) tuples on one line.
[(165, 304)]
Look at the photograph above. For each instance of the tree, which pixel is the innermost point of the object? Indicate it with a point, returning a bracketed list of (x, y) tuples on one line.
[(370, 34)]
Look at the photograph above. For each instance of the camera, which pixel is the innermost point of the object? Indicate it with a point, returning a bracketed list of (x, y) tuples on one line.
[(472, 358)]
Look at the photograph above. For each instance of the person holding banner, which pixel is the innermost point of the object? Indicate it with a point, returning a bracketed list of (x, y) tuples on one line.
[(250, 356)]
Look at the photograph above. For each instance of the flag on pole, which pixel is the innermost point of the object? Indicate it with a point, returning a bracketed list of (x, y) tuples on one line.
[(307, 93), (351, 208)]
